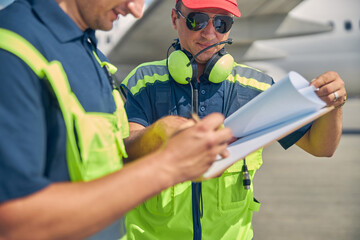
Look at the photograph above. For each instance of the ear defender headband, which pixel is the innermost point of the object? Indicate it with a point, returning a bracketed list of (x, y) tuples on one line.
[(183, 68)]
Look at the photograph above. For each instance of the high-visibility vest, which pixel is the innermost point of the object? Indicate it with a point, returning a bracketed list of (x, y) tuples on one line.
[(94, 140), (226, 207)]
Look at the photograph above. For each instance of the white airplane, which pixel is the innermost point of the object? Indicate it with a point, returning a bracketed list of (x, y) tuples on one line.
[(335, 49), (276, 36)]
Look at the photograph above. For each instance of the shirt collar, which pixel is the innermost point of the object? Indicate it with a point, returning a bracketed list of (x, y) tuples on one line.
[(58, 22)]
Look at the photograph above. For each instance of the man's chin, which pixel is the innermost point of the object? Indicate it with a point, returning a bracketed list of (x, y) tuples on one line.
[(202, 60), (105, 27)]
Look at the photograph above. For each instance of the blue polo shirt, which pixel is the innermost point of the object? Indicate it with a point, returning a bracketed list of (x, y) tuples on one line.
[(32, 141), (152, 94), (32, 130)]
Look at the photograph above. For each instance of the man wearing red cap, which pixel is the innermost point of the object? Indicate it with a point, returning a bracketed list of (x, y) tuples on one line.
[(227, 5), (201, 77), (63, 123)]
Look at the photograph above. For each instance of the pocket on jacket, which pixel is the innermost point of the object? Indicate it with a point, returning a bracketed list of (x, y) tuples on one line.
[(161, 204), (232, 194)]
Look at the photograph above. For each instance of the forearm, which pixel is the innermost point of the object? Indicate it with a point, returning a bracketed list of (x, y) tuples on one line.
[(141, 141), (78, 210), (324, 135)]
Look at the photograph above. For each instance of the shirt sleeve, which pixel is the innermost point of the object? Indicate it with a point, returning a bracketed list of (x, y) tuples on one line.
[(292, 138), (135, 111), (23, 130), (138, 103)]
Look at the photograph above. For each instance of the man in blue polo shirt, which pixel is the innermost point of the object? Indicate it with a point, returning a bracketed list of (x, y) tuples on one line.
[(58, 107), (219, 208)]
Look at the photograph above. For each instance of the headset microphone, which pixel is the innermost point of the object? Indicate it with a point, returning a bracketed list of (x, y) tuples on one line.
[(228, 41), (183, 67)]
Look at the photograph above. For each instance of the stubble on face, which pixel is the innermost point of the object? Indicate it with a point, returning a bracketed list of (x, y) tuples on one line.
[(97, 14), (100, 14)]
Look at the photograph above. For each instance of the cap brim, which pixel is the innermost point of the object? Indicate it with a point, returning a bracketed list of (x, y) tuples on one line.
[(227, 6)]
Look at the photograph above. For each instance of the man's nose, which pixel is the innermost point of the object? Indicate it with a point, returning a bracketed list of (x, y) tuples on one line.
[(209, 29)]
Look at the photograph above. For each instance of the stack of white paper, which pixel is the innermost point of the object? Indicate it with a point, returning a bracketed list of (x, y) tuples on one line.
[(286, 106)]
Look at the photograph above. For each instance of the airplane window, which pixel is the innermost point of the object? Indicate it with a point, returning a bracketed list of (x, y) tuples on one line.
[(108, 39), (331, 24), (348, 25)]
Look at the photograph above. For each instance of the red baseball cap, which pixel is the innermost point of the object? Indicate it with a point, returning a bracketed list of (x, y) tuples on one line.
[(227, 5)]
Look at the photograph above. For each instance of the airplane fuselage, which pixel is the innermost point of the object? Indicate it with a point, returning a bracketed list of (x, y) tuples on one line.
[(312, 55)]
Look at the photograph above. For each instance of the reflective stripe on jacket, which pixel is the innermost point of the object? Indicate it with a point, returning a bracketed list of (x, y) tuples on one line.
[(94, 143), (173, 214)]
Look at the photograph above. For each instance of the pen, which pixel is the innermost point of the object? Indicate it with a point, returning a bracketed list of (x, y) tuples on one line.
[(195, 117)]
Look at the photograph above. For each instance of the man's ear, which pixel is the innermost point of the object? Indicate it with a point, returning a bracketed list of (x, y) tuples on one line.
[(174, 16)]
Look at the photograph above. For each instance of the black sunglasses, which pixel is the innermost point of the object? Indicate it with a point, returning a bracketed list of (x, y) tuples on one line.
[(196, 21)]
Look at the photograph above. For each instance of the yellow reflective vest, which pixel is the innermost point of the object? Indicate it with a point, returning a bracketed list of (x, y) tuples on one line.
[(227, 209), (94, 141)]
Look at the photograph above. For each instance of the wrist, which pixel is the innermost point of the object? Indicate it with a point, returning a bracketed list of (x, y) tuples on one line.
[(162, 168)]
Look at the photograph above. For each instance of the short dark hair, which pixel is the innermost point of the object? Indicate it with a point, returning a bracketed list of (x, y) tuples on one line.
[(178, 5)]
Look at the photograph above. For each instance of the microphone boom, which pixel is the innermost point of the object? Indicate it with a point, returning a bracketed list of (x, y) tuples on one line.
[(228, 41)]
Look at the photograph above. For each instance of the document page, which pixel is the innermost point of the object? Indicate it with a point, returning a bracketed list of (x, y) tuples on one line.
[(289, 98), (285, 107)]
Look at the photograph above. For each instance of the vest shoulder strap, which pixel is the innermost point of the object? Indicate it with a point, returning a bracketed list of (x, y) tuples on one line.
[(53, 71), (20, 47)]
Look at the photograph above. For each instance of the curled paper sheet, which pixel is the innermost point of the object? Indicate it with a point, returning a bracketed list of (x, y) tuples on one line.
[(285, 107)]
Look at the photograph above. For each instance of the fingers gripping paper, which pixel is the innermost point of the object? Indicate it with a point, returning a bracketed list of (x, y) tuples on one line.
[(285, 107)]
